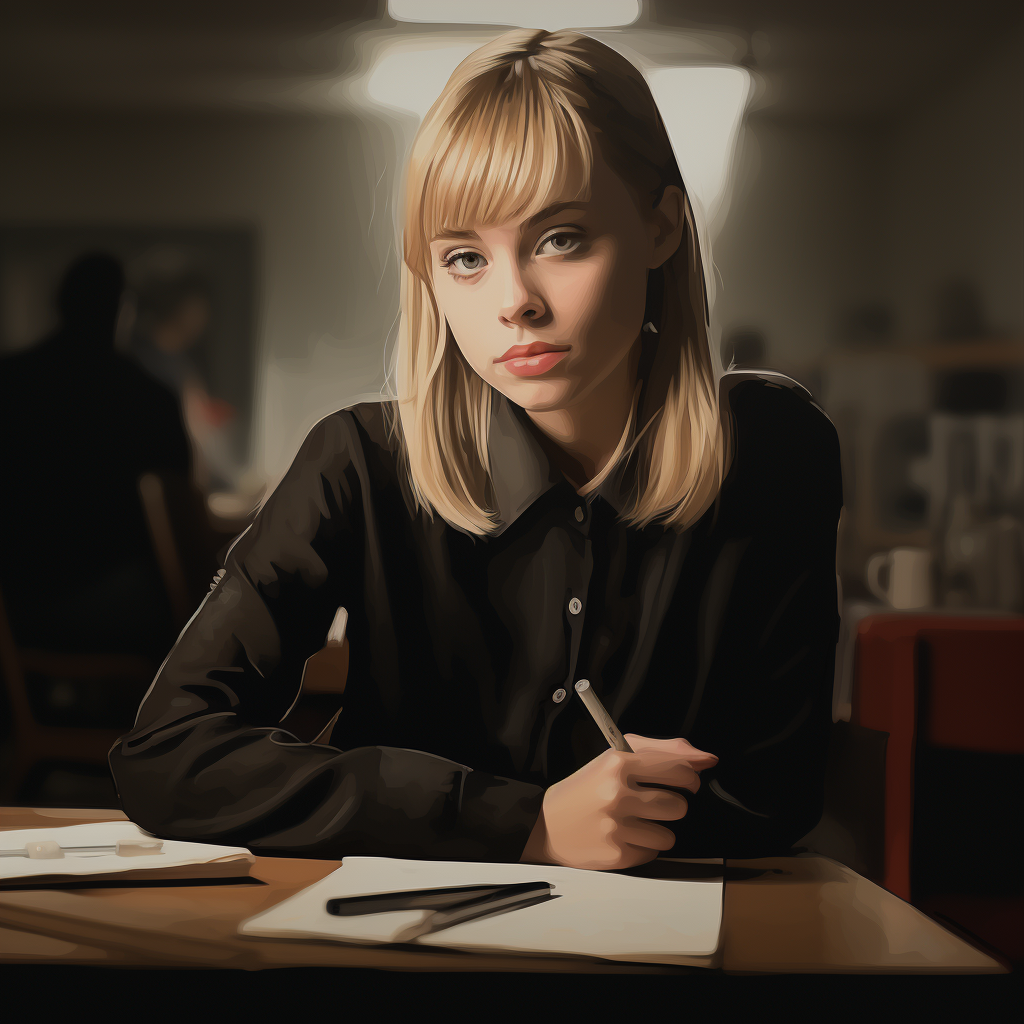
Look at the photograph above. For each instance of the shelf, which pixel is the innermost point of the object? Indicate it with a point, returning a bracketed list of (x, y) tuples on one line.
[(984, 353)]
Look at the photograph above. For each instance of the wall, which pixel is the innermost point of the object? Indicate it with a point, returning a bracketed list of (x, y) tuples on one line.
[(799, 245), (956, 192)]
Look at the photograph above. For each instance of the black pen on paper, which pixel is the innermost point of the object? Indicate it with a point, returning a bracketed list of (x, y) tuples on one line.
[(442, 908)]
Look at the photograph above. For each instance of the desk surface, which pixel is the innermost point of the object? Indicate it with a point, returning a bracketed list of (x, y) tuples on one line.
[(804, 914)]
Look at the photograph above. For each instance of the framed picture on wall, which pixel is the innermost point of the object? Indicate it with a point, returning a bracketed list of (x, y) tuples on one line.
[(188, 317)]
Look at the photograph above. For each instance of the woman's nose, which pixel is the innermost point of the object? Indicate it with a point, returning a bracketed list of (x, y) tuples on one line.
[(522, 306)]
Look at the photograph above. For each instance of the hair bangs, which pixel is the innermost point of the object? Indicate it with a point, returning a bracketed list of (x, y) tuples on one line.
[(507, 157)]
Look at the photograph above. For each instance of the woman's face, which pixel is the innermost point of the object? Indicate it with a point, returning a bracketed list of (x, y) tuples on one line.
[(544, 311)]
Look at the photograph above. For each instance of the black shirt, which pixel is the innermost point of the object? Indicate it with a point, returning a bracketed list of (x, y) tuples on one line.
[(453, 721)]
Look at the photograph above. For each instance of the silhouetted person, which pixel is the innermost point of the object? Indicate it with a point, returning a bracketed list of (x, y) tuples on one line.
[(81, 423), (174, 317)]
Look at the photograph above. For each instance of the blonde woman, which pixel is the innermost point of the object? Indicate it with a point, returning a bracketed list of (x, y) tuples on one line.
[(563, 488)]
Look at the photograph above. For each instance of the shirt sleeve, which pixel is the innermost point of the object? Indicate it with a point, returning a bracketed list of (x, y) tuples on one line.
[(207, 761), (770, 621)]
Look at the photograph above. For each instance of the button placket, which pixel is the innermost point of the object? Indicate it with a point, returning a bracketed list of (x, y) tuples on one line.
[(574, 614), (577, 580)]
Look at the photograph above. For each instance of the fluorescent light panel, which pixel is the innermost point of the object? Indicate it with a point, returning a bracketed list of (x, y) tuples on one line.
[(548, 14), (702, 108)]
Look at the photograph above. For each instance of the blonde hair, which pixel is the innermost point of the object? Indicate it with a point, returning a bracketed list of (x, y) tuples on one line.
[(509, 135)]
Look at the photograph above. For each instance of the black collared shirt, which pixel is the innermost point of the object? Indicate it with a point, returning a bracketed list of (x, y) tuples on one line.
[(459, 708)]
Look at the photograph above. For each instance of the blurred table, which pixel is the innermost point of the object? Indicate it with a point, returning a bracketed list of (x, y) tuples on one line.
[(783, 915)]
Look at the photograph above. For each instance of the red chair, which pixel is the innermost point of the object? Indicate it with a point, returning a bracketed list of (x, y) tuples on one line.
[(940, 685)]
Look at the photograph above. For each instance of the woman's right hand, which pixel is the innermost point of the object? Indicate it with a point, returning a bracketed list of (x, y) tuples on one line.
[(603, 816)]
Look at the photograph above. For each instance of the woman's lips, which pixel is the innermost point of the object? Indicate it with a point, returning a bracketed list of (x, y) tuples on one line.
[(529, 366)]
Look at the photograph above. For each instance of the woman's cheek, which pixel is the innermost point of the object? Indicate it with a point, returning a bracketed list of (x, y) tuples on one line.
[(603, 299)]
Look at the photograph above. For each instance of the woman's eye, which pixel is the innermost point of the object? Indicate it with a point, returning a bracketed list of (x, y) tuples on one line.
[(562, 243), (474, 262), (465, 264)]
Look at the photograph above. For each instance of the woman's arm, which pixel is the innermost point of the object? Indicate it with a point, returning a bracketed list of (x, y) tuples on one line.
[(765, 709), (206, 759)]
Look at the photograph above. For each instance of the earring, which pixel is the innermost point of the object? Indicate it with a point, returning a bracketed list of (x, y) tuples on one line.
[(650, 327)]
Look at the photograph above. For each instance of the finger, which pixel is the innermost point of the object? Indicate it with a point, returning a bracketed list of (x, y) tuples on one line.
[(662, 769), (677, 746), (646, 835), (654, 804)]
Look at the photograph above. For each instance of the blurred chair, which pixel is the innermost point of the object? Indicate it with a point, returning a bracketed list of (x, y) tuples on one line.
[(949, 691), (102, 690), (35, 743), (184, 542), (969, 775)]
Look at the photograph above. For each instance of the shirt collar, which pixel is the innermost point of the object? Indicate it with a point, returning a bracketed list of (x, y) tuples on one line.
[(521, 471)]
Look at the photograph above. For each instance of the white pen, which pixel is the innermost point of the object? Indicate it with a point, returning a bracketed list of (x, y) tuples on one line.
[(604, 720), (49, 850)]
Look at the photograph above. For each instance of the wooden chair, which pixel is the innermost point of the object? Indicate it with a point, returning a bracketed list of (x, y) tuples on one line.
[(969, 773), (184, 542), (949, 691), (885, 698), (34, 743), (318, 705)]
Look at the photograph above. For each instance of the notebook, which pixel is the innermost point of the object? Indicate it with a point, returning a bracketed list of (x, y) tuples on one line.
[(595, 913), (173, 860)]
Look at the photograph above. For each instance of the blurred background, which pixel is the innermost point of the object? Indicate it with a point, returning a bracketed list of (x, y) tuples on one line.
[(860, 174)]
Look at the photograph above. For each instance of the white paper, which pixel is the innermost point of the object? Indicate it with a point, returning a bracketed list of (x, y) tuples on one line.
[(597, 913), (174, 854)]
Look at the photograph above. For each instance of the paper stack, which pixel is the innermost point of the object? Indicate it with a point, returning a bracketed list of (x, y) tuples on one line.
[(144, 856), (596, 913)]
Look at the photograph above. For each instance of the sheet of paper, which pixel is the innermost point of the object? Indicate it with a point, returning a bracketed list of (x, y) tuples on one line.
[(174, 856), (597, 913)]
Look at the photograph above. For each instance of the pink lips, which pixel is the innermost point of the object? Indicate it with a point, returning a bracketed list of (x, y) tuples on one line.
[(528, 360)]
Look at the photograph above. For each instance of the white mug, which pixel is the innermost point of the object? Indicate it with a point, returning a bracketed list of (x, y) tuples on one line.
[(910, 577)]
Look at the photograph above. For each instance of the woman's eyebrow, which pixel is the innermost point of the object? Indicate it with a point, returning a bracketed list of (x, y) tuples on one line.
[(575, 204), (572, 204)]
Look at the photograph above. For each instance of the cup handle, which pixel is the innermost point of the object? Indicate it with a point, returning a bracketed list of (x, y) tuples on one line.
[(873, 574)]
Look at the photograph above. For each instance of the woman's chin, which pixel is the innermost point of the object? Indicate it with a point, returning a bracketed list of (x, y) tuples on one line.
[(539, 394)]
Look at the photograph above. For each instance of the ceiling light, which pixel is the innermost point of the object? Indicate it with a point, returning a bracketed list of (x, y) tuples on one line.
[(410, 77), (702, 108), (548, 14)]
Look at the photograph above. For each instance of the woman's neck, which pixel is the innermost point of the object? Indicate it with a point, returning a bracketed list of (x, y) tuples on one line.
[(582, 438)]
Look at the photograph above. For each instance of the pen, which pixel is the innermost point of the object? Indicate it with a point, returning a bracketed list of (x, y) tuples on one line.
[(48, 850), (428, 899), (411, 899), (604, 720), (511, 897), (442, 908)]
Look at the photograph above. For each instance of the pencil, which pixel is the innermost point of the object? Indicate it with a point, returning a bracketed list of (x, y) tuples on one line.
[(604, 720)]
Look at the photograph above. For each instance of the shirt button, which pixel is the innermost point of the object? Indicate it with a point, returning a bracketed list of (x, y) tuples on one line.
[(558, 696), (579, 513), (575, 606)]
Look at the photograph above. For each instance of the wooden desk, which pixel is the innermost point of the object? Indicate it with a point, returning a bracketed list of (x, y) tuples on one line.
[(786, 915)]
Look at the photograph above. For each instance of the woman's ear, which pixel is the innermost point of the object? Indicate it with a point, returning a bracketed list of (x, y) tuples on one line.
[(666, 225)]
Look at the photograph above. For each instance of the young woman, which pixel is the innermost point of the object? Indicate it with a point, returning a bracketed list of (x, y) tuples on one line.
[(564, 489)]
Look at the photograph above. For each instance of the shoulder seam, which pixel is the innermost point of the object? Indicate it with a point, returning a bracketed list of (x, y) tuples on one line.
[(771, 377)]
